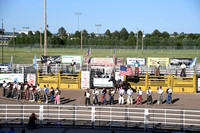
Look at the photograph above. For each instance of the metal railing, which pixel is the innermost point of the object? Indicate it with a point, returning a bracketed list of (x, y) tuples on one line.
[(98, 116)]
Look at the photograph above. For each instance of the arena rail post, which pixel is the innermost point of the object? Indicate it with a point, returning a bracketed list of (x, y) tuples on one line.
[(146, 119), (110, 117), (146, 80), (93, 117), (38, 74), (59, 79), (195, 83)]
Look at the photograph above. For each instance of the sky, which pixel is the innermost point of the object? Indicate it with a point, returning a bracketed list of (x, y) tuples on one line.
[(146, 15)]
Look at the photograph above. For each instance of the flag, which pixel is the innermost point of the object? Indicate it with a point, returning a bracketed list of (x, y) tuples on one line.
[(88, 54), (126, 71), (193, 63), (114, 57), (34, 63)]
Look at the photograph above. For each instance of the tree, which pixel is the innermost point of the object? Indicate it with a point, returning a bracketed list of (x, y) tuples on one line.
[(175, 34), (116, 34), (156, 33), (85, 33), (77, 34), (140, 34), (132, 33), (30, 33), (92, 35), (107, 33), (165, 34), (192, 36), (124, 34), (61, 32)]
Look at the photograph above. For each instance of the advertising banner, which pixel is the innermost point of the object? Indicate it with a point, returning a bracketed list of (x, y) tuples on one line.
[(153, 61), (70, 58), (101, 61), (102, 82), (85, 79), (11, 77), (131, 61), (31, 79), (53, 59), (179, 61)]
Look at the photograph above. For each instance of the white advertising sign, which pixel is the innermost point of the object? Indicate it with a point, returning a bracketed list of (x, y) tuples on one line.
[(85, 79), (69, 58), (117, 76), (11, 77), (31, 79), (101, 61), (131, 61), (102, 82), (198, 84)]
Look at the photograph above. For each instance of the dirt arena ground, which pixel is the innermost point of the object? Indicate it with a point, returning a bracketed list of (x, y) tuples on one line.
[(76, 97)]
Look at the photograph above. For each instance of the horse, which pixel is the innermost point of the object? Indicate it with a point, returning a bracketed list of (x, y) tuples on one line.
[(119, 83)]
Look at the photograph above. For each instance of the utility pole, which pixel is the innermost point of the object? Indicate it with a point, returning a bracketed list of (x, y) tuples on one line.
[(142, 42), (81, 42), (2, 40), (45, 29), (14, 39), (137, 41), (40, 38)]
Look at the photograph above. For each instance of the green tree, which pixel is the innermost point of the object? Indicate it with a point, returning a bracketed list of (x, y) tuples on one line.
[(165, 34), (116, 34), (156, 33), (92, 35), (132, 33), (30, 33), (124, 34), (140, 34), (62, 32), (77, 34), (175, 34), (108, 33)]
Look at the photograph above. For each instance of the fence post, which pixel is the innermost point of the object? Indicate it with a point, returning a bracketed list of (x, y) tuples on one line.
[(194, 83), (58, 84), (93, 116), (110, 117), (146, 119), (41, 114), (38, 74), (146, 80), (74, 112)]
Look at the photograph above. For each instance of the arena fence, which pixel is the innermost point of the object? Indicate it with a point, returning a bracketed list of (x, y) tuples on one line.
[(60, 80), (98, 116), (178, 84)]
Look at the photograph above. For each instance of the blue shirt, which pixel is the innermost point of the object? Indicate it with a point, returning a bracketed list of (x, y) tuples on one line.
[(137, 64), (129, 92), (121, 91)]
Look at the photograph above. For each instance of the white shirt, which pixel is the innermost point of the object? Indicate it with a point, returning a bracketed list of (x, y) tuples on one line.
[(4, 85), (19, 87), (38, 89), (25, 87), (157, 65), (160, 91), (149, 92), (95, 92), (139, 92), (48, 63), (87, 95), (183, 66), (170, 91), (15, 86)]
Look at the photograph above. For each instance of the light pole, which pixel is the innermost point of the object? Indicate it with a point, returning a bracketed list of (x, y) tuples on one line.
[(2, 40), (14, 38), (98, 25), (45, 29), (78, 14)]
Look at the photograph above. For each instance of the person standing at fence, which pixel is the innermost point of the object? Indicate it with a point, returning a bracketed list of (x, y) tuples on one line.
[(160, 95), (139, 96), (45, 96), (19, 91), (103, 96), (157, 73), (31, 93), (136, 65), (4, 88), (111, 94), (95, 96), (87, 97), (9, 88), (15, 86), (31, 122), (183, 68), (169, 95), (121, 96), (52, 95), (58, 93), (49, 66), (26, 89), (38, 93), (130, 96), (73, 66), (149, 96)]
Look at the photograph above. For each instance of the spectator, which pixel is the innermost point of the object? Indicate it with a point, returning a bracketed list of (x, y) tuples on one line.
[(49, 66), (183, 67), (73, 66), (121, 95), (32, 123), (87, 97), (130, 96), (1, 129), (139, 96), (149, 96), (15, 86), (4, 88), (10, 88), (52, 95), (111, 94), (11, 130), (31, 92), (58, 93), (169, 95), (26, 89), (160, 95), (38, 93), (45, 97), (157, 73), (19, 91), (95, 96), (103, 96), (136, 65)]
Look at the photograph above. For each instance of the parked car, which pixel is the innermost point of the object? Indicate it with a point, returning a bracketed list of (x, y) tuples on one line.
[(4, 67)]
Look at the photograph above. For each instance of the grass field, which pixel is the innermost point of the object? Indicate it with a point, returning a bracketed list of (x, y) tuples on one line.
[(26, 55)]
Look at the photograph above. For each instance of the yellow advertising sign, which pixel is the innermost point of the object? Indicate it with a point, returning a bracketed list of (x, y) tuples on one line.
[(153, 61)]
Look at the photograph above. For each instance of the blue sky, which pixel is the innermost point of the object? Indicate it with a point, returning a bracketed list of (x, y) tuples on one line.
[(147, 15)]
